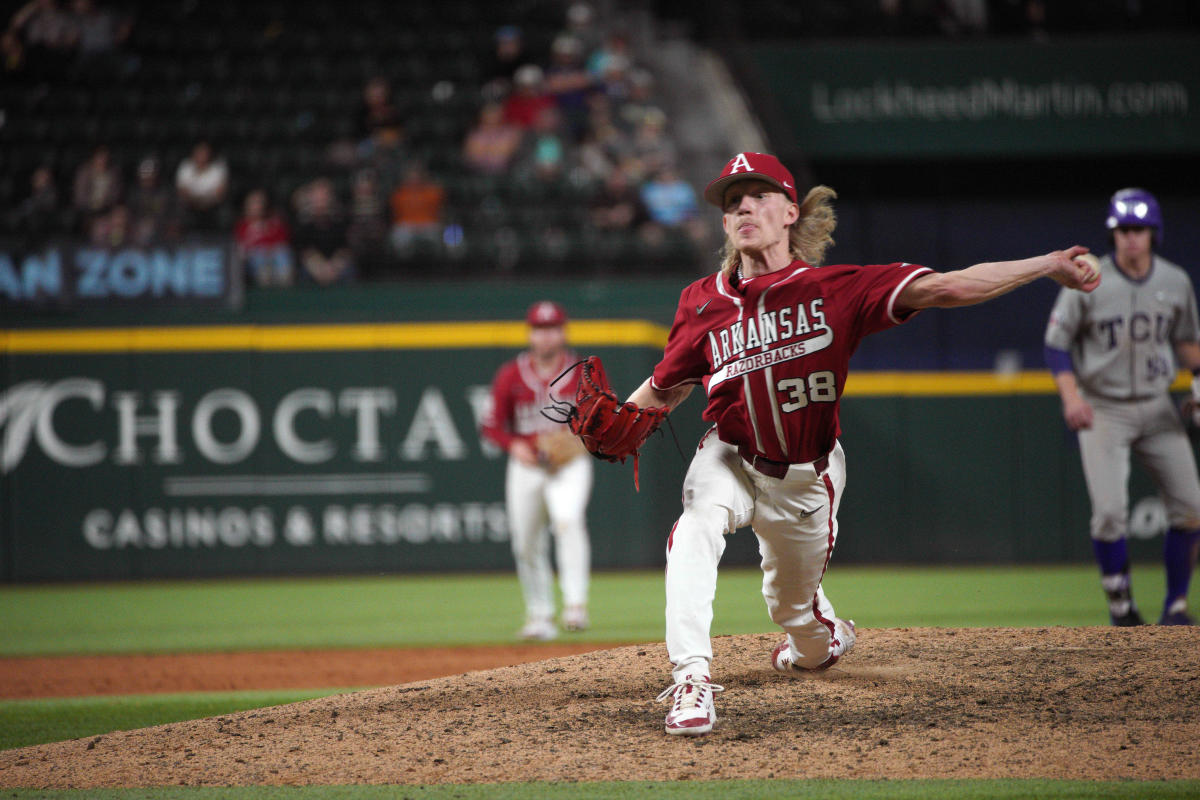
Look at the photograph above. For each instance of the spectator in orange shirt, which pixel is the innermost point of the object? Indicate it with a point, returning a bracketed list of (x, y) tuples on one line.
[(417, 205)]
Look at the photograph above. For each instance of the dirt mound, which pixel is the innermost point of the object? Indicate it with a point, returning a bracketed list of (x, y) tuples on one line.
[(1081, 703)]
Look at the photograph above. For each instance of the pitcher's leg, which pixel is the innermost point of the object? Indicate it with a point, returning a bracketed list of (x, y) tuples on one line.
[(716, 502), (796, 524)]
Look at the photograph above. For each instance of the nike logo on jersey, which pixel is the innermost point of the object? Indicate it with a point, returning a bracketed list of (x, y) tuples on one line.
[(700, 309), (806, 514)]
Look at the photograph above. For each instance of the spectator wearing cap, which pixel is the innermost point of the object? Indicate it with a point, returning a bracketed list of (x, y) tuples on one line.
[(569, 83), (508, 55), (528, 97)]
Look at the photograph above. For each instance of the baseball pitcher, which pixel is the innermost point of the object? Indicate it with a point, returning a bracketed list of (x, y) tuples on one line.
[(769, 338)]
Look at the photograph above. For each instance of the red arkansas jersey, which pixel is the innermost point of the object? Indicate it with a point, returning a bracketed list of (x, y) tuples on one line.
[(519, 393), (773, 352)]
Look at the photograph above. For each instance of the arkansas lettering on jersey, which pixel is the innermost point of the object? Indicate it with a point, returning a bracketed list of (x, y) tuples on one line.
[(520, 392), (773, 352)]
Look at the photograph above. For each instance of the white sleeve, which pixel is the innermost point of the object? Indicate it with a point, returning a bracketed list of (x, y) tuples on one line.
[(1065, 319)]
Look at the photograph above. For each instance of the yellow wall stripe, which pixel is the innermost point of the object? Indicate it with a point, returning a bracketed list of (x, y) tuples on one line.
[(958, 384), (442, 335), (371, 336)]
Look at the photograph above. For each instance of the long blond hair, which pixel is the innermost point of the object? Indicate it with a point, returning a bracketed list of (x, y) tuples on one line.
[(808, 237)]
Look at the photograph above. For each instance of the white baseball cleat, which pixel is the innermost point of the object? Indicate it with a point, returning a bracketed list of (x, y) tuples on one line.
[(692, 712), (575, 618), (539, 630), (781, 656)]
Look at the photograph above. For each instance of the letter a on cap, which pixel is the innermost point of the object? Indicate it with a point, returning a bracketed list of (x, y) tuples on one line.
[(740, 162)]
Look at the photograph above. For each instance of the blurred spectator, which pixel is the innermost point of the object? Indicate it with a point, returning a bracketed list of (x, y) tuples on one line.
[(151, 205), (44, 29), (492, 142), (378, 111), (110, 230), (963, 17), (651, 144), (97, 31), (618, 205), (417, 206), (36, 217), (12, 51), (387, 156), (528, 97), (262, 242), (569, 83), (581, 26), (501, 67), (639, 103), (368, 233), (672, 206), (605, 145), (321, 243), (544, 153), (611, 65), (202, 182), (97, 186)]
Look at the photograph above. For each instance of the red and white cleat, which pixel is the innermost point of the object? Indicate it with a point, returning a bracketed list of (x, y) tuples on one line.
[(692, 712)]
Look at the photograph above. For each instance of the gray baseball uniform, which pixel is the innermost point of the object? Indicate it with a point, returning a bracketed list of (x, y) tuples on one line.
[(1121, 338)]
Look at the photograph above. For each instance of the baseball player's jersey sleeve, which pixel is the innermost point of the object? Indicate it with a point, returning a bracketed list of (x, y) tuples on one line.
[(497, 423), (876, 289), (684, 360), (1065, 319)]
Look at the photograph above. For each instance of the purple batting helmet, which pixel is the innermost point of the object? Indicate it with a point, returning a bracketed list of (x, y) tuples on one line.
[(1135, 207)]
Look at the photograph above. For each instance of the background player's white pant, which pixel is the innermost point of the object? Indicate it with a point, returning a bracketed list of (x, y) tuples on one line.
[(540, 503), (1151, 430), (795, 520)]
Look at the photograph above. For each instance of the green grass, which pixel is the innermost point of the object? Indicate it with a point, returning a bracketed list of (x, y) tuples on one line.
[(410, 611), (679, 790), (27, 722)]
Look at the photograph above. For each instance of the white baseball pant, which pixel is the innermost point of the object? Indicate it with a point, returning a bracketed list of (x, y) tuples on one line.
[(795, 520), (540, 503), (1151, 430)]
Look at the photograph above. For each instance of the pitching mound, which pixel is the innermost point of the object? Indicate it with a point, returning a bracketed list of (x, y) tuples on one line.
[(1081, 703)]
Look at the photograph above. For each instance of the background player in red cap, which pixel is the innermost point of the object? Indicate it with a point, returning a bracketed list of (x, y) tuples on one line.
[(548, 483), (769, 337)]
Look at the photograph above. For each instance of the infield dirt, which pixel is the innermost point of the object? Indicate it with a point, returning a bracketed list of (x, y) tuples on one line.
[(1076, 703)]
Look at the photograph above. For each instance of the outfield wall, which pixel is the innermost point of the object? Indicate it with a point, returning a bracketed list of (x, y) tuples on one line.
[(290, 439)]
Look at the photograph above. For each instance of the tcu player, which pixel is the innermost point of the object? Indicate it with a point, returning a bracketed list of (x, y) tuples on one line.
[(548, 481), (1113, 354), (769, 337)]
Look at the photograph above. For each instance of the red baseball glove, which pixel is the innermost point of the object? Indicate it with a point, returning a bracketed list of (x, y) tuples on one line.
[(609, 429)]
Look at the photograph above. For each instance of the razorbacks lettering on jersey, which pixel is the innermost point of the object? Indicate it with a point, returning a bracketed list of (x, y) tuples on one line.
[(519, 394), (1121, 337), (772, 352)]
